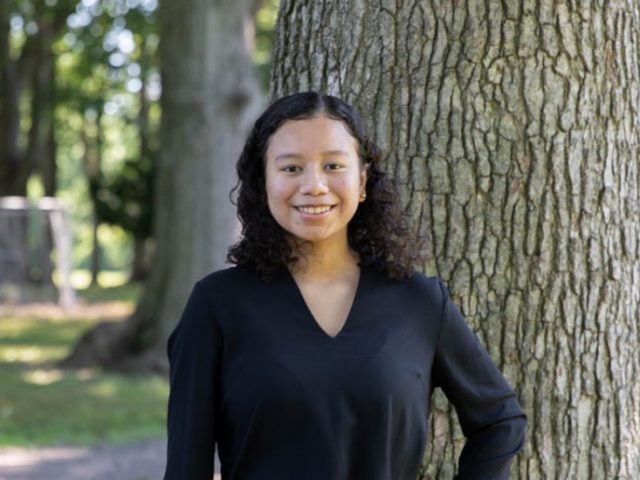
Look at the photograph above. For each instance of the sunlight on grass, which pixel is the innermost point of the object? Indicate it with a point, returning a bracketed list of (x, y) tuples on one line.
[(41, 404), (33, 354), (27, 331), (34, 340), (80, 278), (42, 377)]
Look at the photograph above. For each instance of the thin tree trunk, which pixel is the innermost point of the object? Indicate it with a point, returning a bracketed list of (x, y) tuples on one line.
[(139, 264), (512, 128), (38, 151), (11, 168), (92, 161), (48, 164)]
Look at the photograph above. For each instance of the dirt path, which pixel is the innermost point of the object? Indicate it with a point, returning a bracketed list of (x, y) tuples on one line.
[(136, 461)]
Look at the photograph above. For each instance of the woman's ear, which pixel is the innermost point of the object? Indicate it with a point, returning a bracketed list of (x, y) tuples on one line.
[(364, 173)]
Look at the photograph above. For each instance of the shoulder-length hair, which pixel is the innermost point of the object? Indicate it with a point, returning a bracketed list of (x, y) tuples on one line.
[(379, 231)]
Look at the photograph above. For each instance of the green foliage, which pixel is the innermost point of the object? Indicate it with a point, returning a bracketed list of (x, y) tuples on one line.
[(108, 116), (126, 199), (265, 26)]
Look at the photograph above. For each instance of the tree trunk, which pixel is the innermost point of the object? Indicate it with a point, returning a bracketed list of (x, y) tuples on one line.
[(48, 164), (512, 128), (39, 155), (209, 97), (140, 262), (91, 136), (11, 167)]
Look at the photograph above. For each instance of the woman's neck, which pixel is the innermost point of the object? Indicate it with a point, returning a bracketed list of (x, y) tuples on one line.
[(322, 261)]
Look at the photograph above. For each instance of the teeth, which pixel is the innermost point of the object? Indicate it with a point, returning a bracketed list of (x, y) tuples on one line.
[(314, 209)]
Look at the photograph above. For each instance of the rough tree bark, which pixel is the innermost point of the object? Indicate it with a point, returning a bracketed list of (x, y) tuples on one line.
[(210, 95), (513, 130)]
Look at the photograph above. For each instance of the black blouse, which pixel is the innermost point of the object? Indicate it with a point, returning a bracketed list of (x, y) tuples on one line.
[(252, 372)]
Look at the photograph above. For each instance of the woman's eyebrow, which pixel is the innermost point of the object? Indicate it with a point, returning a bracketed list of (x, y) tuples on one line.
[(335, 152), (296, 156), (287, 156)]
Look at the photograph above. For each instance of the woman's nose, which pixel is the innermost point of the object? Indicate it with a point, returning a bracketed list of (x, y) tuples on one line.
[(314, 182)]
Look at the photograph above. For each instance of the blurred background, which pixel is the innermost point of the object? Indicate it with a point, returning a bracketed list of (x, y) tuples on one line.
[(80, 120)]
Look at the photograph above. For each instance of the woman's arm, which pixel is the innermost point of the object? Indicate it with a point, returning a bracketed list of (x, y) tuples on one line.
[(487, 408), (193, 348)]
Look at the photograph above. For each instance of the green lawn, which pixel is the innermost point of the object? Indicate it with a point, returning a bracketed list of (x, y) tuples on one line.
[(44, 405)]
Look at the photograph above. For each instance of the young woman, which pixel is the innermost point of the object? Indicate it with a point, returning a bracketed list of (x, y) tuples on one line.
[(315, 356)]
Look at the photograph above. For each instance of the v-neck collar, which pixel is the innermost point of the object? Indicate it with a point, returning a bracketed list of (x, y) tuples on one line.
[(309, 315)]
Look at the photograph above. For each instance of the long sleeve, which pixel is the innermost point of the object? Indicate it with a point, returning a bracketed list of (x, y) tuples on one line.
[(487, 408), (193, 349)]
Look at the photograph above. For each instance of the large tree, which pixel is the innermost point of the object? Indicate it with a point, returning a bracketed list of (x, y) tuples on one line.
[(210, 94), (512, 128)]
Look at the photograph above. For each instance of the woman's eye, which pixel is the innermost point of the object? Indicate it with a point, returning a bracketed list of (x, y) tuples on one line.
[(334, 166), (290, 168)]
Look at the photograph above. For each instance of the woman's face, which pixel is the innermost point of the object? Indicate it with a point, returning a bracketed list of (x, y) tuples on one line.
[(314, 178)]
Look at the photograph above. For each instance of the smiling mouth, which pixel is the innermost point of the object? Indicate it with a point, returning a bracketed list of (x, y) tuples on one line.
[(315, 210)]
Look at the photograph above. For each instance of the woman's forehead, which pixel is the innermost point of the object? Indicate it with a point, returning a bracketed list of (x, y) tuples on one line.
[(316, 134)]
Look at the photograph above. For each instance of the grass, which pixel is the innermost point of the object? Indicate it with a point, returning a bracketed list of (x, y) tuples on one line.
[(123, 293), (41, 405)]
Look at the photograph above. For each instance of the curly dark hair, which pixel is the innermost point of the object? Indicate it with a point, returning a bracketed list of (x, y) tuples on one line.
[(379, 231)]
